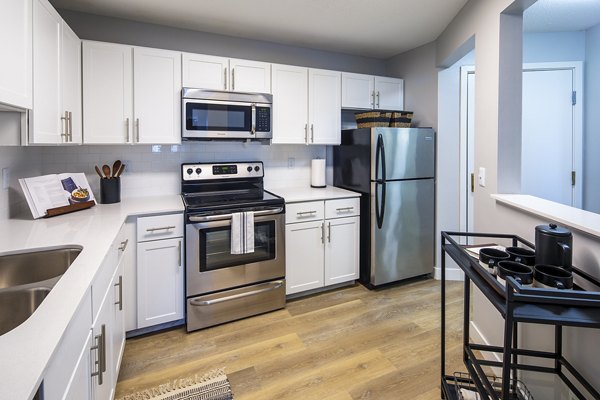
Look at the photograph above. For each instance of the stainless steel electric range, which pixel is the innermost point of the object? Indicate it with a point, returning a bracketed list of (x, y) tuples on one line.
[(222, 286)]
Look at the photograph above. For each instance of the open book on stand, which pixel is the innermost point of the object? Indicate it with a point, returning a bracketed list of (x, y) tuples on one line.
[(67, 192)]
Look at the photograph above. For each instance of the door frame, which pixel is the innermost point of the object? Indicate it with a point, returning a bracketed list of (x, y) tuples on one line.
[(578, 81)]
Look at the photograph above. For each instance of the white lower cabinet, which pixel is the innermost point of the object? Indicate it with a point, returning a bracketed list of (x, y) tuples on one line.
[(321, 251), (160, 270)]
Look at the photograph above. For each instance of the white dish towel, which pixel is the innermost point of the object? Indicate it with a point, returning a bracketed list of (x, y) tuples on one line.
[(242, 233)]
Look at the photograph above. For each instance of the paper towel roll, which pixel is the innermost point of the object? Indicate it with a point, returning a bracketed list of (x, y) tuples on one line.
[(317, 173)]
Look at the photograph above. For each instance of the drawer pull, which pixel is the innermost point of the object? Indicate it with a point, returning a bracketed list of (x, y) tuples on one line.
[(344, 209), (306, 213), (124, 245), (270, 287), (162, 228)]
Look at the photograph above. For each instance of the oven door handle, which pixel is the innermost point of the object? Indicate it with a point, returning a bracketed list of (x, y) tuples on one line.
[(224, 217), (272, 286)]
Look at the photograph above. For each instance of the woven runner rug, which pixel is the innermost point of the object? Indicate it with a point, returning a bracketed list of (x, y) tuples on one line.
[(213, 385)]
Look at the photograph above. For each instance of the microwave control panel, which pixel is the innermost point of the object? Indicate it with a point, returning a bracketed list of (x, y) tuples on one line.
[(263, 119)]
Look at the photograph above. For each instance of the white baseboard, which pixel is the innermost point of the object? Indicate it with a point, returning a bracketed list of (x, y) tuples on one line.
[(478, 337), (452, 274)]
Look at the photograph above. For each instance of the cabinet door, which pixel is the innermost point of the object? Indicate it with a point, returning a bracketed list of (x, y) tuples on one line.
[(389, 93), (47, 125), (290, 104), (117, 335), (160, 294), (358, 91), (71, 81), (80, 386), (107, 93), (101, 360), (157, 96), (304, 268), (205, 72), (341, 250), (324, 106), (250, 76), (16, 49)]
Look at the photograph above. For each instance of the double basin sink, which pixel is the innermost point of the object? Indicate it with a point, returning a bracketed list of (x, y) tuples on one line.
[(26, 279)]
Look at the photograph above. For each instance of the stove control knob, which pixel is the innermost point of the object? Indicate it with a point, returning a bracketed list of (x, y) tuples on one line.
[(189, 171), (257, 168), (249, 169), (198, 171)]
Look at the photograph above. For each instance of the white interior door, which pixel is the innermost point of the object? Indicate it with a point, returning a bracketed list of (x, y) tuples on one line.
[(547, 137), (467, 139)]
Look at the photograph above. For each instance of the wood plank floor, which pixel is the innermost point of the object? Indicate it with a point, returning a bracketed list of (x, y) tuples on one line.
[(350, 343)]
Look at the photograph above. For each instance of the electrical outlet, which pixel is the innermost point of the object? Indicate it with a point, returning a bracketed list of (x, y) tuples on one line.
[(481, 176), (5, 178), (291, 162)]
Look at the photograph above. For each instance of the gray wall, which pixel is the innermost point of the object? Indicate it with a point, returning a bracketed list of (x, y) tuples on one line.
[(417, 67), (591, 144), (553, 47), (95, 27)]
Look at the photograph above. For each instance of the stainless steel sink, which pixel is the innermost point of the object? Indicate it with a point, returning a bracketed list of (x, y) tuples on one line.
[(18, 305), (36, 266), (26, 279)]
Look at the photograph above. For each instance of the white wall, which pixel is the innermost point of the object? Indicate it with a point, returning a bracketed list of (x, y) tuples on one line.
[(21, 162), (553, 47), (591, 145)]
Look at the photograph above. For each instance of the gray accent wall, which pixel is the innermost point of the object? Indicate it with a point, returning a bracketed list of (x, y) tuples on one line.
[(116, 30)]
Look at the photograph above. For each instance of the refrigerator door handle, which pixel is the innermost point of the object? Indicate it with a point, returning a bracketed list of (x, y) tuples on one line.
[(380, 156), (380, 210)]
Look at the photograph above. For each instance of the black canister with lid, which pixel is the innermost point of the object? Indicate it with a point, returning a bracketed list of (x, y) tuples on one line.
[(553, 246)]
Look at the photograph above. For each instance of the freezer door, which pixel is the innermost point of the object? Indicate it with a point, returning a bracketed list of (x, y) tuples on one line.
[(404, 153), (403, 247)]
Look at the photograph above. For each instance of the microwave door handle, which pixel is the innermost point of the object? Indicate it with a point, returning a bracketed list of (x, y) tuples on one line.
[(253, 130), (223, 217)]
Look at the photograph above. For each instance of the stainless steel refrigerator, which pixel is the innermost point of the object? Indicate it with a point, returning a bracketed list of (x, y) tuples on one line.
[(394, 169)]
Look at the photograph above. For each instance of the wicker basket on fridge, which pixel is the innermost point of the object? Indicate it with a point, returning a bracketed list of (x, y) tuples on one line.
[(373, 119), (401, 119)]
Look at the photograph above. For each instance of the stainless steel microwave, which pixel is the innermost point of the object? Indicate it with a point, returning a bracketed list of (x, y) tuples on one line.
[(212, 114)]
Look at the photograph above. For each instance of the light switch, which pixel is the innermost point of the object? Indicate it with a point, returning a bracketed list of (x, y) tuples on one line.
[(481, 176), (5, 178)]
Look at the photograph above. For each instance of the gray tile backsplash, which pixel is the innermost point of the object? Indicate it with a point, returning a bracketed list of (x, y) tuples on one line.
[(21, 162)]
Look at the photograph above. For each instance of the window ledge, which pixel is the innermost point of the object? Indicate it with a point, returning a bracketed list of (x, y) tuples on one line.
[(584, 221)]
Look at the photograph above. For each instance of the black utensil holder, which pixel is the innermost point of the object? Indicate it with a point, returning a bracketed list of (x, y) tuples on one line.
[(110, 190)]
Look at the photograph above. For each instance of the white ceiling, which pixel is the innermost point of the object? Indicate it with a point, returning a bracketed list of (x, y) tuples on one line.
[(561, 15), (378, 29)]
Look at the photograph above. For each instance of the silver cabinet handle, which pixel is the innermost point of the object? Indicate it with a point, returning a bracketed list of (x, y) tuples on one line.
[(344, 209), (308, 213), (323, 233), (64, 129), (232, 79), (329, 232), (124, 245), (179, 252), (312, 133), (127, 128), (120, 285), (373, 99), (224, 217), (137, 129), (306, 133), (70, 120), (225, 78), (100, 348), (378, 99), (272, 286), (162, 228)]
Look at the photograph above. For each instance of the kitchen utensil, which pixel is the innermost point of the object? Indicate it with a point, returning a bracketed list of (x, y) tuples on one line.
[(115, 168), (120, 171), (521, 272), (490, 257), (553, 245), (552, 277), (106, 170), (98, 171), (521, 255)]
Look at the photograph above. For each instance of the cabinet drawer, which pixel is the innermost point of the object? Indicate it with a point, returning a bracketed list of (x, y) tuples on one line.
[(303, 212), (342, 208), (159, 227)]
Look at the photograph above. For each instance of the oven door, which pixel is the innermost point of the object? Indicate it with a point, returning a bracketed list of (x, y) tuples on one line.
[(211, 267)]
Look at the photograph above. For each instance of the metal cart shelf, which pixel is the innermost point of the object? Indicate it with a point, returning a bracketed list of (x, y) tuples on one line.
[(516, 303)]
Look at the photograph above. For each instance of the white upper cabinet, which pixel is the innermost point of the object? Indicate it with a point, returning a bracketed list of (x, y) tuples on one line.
[(107, 93), (306, 105), (290, 104), (16, 48), (131, 95), (157, 95), (372, 92), (220, 73), (56, 115), (324, 106)]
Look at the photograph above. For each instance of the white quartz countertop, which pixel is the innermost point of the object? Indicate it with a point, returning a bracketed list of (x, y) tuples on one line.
[(26, 350), (307, 193)]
